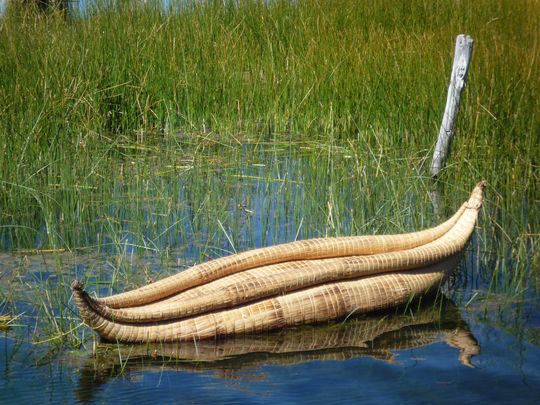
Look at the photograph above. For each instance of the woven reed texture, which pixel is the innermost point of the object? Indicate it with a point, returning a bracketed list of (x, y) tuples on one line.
[(271, 280), (317, 304), (299, 250), (334, 299)]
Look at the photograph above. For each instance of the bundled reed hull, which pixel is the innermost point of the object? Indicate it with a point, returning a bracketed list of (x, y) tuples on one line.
[(238, 295)]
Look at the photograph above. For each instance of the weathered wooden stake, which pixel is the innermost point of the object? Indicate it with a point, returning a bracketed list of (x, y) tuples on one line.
[(458, 80)]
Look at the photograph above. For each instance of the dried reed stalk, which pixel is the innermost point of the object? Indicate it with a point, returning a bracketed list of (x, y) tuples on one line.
[(376, 336), (267, 281)]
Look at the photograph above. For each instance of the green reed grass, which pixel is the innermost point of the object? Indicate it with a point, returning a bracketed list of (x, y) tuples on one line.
[(251, 69)]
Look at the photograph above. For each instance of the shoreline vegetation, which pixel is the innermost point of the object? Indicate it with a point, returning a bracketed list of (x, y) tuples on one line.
[(88, 100), (278, 70)]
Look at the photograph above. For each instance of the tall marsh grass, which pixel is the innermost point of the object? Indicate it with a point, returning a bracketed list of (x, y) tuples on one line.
[(77, 94), (262, 70)]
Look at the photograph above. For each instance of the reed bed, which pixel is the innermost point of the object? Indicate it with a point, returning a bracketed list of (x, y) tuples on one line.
[(259, 70)]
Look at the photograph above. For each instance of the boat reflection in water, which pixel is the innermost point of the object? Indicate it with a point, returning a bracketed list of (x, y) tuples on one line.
[(376, 336)]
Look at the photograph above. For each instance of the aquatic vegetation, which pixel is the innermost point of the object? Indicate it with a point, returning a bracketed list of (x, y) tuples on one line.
[(5, 320), (130, 77)]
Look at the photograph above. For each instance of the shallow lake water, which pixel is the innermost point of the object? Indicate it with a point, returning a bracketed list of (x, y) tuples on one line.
[(147, 220)]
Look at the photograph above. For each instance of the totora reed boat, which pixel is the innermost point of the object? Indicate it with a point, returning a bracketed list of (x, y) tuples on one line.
[(290, 284)]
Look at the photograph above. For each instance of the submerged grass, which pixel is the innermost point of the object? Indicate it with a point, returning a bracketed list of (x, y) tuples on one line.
[(145, 139)]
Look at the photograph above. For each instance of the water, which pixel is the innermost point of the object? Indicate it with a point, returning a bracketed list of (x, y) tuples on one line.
[(78, 8), (147, 220), (417, 363)]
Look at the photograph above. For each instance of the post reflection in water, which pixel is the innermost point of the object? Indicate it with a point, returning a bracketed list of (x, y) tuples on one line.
[(376, 336)]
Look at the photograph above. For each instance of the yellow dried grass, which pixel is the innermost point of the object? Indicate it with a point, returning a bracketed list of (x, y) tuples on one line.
[(372, 336), (281, 278)]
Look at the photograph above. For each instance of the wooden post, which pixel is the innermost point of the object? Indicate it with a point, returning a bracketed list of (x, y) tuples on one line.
[(458, 80)]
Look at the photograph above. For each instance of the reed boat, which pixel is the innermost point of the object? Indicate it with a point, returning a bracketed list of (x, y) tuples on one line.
[(291, 284)]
